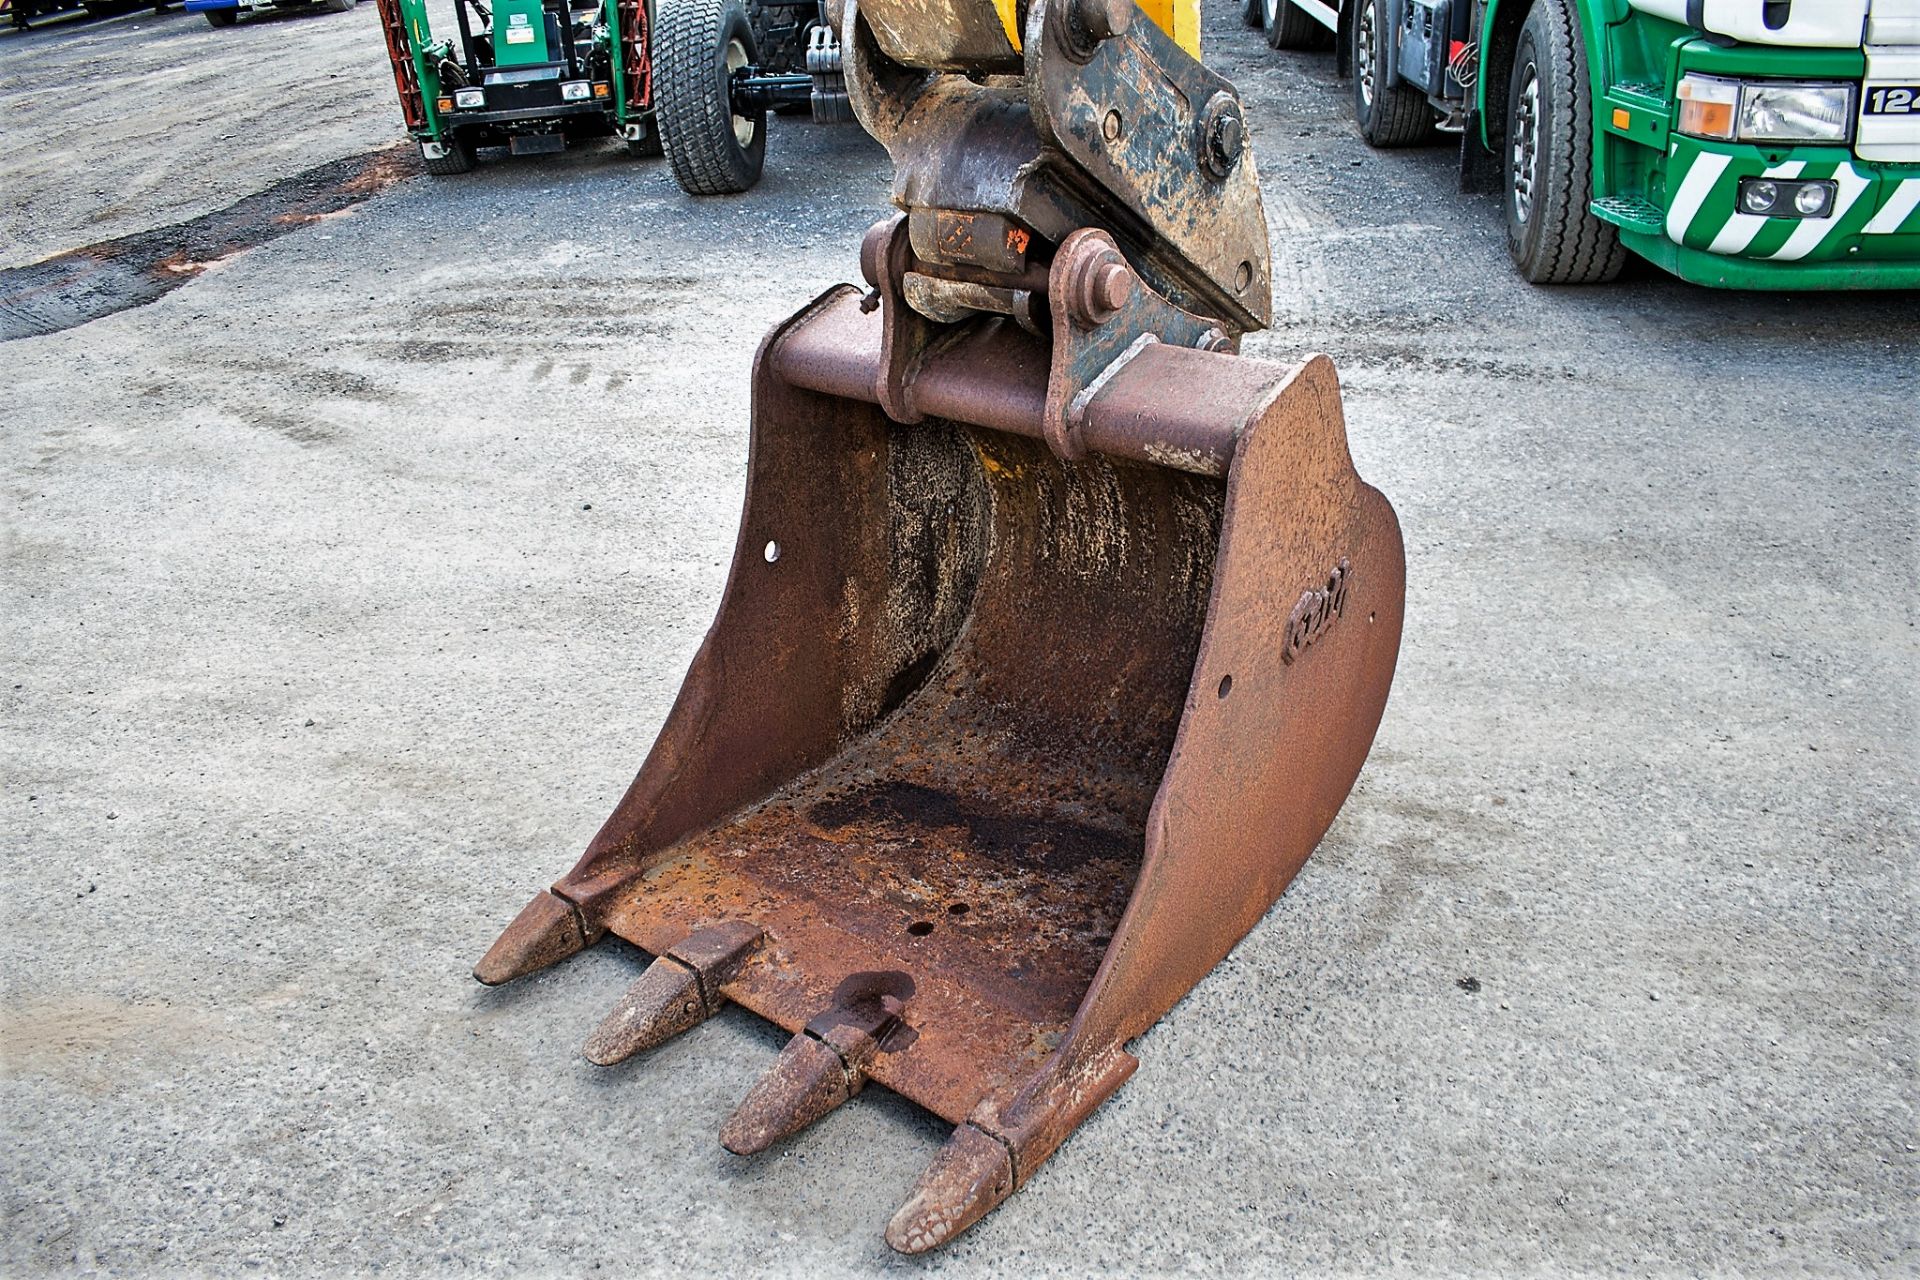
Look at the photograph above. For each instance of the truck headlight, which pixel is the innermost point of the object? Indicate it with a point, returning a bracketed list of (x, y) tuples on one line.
[(1764, 110), (576, 91), (1795, 112), (470, 99)]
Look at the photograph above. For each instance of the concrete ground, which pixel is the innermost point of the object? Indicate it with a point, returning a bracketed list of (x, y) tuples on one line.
[(346, 584)]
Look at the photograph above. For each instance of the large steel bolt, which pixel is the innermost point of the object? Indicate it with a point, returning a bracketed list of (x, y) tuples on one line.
[(1223, 135), (1112, 288), (1228, 138), (1102, 283), (1103, 19)]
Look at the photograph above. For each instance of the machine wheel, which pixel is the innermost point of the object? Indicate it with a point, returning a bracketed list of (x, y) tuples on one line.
[(221, 17), (459, 157), (697, 46), (1390, 113), (1551, 231), (337, 6), (780, 34), (1288, 27), (1253, 13)]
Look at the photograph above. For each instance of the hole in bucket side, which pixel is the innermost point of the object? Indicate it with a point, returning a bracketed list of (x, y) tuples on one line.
[(1226, 686), (772, 551), (958, 909), (920, 928)]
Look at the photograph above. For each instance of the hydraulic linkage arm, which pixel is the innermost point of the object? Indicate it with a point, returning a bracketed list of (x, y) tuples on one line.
[(1068, 163)]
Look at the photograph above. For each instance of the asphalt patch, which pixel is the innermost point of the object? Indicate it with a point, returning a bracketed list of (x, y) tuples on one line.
[(72, 288)]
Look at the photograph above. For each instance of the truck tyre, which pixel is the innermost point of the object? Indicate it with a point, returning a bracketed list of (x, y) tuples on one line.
[(697, 46), (1390, 112), (337, 6), (459, 157), (221, 17), (1253, 13), (1288, 27), (1551, 231)]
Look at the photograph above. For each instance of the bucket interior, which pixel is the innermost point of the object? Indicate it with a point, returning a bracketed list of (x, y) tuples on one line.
[(1017, 675)]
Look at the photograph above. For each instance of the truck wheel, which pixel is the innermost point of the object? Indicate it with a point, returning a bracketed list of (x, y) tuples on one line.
[(1254, 13), (1390, 113), (1551, 231), (697, 46), (1288, 27), (337, 6), (458, 159), (221, 17)]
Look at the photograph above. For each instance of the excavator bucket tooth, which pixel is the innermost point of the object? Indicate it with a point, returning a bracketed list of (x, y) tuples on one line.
[(967, 1180), (819, 1069), (662, 1002), (546, 931), (678, 992), (806, 1081), (995, 751)]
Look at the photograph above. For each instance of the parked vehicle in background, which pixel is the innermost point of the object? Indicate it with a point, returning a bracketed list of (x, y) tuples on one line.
[(1738, 143), (224, 13), (20, 14), (690, 79)]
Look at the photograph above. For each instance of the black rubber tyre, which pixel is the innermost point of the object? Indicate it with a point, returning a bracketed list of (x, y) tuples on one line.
[(221, 17), (459, 158), (697, 44), (780, 35), (1389, 113), (1253, 13), (1551, 231), (1288, 27), (337, 6)]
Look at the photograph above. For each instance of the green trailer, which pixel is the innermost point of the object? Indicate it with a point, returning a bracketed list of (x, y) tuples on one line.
[(1738, 143), (683, 78)]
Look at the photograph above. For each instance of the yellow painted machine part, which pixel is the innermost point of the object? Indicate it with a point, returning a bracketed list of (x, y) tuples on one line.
[(1178, 18)]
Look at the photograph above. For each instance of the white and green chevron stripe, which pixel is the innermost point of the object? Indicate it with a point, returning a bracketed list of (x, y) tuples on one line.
[(1701, 212)]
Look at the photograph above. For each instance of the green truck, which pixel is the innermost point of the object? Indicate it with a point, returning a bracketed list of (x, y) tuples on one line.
[(1739, 143)]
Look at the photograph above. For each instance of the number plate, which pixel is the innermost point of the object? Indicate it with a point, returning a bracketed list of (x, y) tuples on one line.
[(1892, 100)]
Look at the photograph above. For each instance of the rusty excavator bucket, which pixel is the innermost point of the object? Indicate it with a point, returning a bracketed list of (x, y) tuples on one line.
[(1056, 635)]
